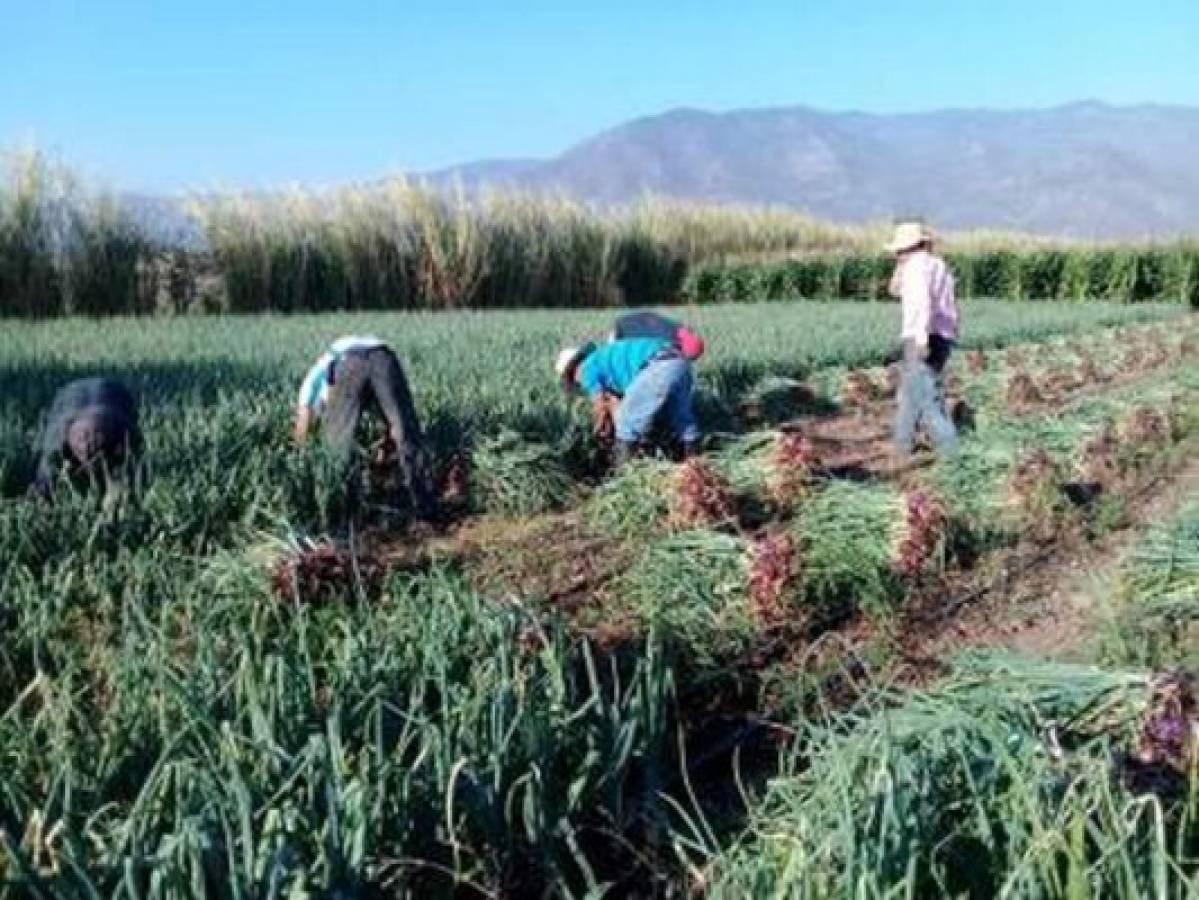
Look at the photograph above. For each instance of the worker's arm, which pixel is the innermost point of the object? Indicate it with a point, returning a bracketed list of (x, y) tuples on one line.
[(603, 415), (303, 425), (49, 464), (917, 306), (895, 286), (51, 447), (309, 397), (42, 485)]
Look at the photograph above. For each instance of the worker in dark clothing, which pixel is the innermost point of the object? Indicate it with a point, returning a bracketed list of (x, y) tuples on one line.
[(353, 374), (91, 429), (646, 324)]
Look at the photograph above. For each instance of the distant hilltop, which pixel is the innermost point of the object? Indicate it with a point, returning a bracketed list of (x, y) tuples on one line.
[(1086, 170)]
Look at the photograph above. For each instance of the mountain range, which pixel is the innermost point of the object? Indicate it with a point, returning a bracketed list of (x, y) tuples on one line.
[(1082, 170)]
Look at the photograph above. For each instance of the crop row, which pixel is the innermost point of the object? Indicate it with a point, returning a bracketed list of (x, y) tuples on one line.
[(1166, 274), (1012, 777), (834, 547), (217, 392), (987, 784)]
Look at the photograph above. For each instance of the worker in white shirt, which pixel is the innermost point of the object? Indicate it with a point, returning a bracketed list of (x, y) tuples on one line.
[(929, 312), (353, 374)]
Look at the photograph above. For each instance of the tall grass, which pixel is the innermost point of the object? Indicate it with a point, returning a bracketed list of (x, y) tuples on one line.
[(403, 245), (66, 248)]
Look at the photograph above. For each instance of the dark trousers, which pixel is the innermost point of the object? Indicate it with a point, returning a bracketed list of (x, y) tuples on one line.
[(362, 378)]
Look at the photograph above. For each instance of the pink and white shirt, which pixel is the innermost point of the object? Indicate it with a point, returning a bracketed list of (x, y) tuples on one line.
[(927, 299)]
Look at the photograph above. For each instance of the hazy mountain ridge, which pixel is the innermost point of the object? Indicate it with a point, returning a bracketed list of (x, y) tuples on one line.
[(1082, 170)]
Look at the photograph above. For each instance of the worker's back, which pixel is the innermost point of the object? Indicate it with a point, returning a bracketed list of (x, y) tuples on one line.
[(88, 392)]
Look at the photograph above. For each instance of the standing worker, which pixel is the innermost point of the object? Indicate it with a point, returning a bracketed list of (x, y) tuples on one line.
[(923, 283), (354, 373), (644, 324), (641, 377), (91, 429)]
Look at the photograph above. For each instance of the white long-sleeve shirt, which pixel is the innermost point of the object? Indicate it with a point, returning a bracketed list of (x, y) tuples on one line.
[(927, 299)]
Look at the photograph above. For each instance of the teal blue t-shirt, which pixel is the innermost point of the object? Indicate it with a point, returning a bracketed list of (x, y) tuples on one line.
[(612, 367)]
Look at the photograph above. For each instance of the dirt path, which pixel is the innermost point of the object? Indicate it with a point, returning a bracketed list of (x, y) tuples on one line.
[(856, 444), (1048, 604)]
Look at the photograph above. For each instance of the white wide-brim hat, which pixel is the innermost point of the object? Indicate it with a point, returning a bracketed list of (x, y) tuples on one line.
[(566, 358), (907, 236), (570, 357)]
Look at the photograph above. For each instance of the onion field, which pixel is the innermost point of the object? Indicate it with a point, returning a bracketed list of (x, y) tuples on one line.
[(747, 675)]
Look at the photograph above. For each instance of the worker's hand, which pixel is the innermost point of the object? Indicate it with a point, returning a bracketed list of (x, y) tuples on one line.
[(603, 416), (383, 451), (303, 424)]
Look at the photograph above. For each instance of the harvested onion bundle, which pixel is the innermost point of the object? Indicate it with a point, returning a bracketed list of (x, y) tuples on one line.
[(702, 496), (321, 571), (921, 534), (773, 566), (792, 463)]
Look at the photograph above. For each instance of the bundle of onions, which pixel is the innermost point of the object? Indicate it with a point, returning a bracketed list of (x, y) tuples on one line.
[(773, 565), (1145, 428), (859, 390), (1022, 392), (976, 362), (1100, 459), (792, 462), (323, 571), (921, 533), (702, 496), (1169, 733), (1035, 490)]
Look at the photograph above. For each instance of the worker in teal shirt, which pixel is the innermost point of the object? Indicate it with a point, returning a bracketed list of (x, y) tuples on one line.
[(648, 376)]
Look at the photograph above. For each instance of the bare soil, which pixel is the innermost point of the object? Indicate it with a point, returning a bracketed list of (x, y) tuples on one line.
[(1040, 600), (1037, 597)]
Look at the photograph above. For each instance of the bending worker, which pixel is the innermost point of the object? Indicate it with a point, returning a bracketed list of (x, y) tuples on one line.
[(354, 373), (91, 429), (653, 325), (929, 313), (642, 378)]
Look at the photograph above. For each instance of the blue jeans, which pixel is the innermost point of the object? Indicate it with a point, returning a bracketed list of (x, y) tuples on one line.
[(663, 386), (922, 398)]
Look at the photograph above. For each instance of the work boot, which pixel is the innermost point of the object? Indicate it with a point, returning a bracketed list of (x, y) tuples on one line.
[(690, 449), (622, 452)]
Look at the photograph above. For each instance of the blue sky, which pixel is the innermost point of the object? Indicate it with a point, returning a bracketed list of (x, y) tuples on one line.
[(172, 95)]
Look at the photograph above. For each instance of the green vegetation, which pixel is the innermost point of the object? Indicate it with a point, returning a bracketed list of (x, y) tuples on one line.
[(183, 714), (1154, 616), (1005, 781), (1167, 273), (199, 377), (66, 248)]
